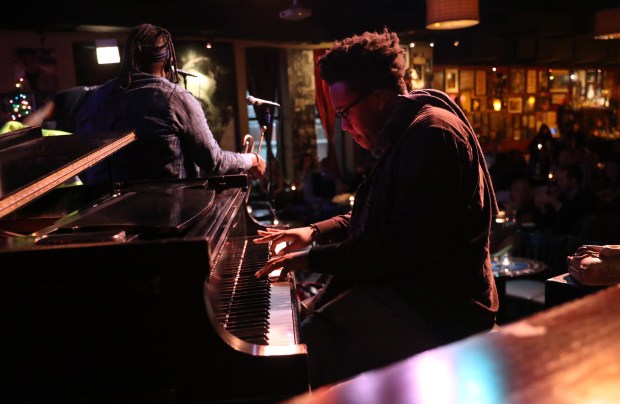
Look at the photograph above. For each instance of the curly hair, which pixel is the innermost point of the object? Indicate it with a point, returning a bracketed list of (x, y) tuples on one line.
[(366, 62), (143, 47)]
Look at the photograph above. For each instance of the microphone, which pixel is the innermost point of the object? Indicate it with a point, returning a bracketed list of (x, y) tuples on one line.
[(257, 101), (184, 73)]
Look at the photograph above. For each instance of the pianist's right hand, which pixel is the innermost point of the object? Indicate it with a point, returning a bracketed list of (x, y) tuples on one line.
[(295, 239)]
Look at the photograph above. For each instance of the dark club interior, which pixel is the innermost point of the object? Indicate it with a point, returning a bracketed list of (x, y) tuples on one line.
[(144, 288)]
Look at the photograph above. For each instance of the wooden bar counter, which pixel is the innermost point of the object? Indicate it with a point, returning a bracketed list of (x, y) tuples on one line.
[(567, 354)]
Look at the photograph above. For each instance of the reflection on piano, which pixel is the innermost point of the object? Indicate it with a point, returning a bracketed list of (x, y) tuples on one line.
[(137, 293)]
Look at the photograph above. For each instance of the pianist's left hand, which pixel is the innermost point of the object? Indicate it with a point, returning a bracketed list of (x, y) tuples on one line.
[(286, 263), (292, 239)]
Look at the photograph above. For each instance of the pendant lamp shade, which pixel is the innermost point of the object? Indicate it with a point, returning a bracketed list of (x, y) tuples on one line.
[(607, 24), (451, 14)]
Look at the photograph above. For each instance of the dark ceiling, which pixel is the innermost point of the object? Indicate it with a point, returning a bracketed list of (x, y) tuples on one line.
[(515, 21)]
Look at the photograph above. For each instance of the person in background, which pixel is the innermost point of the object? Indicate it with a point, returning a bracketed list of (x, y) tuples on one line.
[(542, 151), (320, 186), (40, 79), (572, 209), (173, 137), (575, 136), (62, 110), (409, 266), (306, 168)]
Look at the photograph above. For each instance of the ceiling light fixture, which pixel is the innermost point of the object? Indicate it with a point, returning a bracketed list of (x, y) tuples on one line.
[(295, 12), (607, 24), (451, 14)]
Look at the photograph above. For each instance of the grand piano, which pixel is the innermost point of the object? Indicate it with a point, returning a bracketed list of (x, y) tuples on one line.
[(138, 292)]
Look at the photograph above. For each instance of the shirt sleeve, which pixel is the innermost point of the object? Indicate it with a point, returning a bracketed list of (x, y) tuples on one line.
[(417, 215), (199, 144)]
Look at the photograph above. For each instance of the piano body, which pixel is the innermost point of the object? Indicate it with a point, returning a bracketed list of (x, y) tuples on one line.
[(141, 292)]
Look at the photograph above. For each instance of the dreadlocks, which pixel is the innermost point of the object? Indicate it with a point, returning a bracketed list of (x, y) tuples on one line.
[(148, 44)]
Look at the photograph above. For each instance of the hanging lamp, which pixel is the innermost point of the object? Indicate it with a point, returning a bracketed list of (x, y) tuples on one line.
[(451, 14), (607, 24)]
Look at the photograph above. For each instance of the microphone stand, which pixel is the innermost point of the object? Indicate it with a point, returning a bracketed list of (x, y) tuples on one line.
[(269, 154), (184, 76)]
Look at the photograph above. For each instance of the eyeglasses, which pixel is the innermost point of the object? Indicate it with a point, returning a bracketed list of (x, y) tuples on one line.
[(343, 114)]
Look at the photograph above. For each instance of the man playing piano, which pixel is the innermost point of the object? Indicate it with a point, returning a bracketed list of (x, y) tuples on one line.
[(409, 266), (173, 137)]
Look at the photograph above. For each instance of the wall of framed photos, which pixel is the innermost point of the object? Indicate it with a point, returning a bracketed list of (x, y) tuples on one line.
[(507, 104)]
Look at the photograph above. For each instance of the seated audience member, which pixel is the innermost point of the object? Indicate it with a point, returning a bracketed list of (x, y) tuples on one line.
[(306, 168), (507, 167), (173, 137), (572, 209), (519, 210), (520, 207), (575, 136), (62, 109), (606, 185), (320, 186), (541, 150)]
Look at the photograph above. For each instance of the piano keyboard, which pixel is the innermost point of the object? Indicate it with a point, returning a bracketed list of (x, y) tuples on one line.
[(256, 310)]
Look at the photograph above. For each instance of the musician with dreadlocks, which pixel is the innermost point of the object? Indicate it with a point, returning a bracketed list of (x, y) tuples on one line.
[(173, 137)]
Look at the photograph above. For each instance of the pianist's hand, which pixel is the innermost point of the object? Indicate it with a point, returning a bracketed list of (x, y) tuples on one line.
[(296, 261), (294, 239)]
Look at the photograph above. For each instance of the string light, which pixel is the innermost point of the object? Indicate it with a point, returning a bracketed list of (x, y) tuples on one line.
[(20, 106)]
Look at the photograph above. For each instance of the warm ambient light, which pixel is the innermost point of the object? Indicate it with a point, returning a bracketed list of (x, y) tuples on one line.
[(607, 24), (451, 14), (497, 104), (107, 51)]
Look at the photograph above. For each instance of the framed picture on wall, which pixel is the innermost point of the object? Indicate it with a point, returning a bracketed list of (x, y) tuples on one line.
[(517, 81), (452, 81), (438, 82), (543, 81), (559, 79), (515, 105), (466, 80), (530, 86), (481, 82)]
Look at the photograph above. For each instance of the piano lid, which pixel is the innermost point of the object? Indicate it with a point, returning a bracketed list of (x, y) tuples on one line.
[(31, 164)]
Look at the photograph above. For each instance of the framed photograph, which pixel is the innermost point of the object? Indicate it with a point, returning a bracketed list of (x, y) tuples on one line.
[(559, 80), (481, 82), (530, 86), (466, 80), (437, 81), (452, 81), (543, 81), (517, 81), (515, 105)]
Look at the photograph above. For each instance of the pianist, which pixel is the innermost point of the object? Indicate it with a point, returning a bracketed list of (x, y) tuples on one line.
[(173, 137), (409, 267)]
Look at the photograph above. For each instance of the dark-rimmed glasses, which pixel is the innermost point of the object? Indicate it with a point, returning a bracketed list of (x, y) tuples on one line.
[(343, 114)]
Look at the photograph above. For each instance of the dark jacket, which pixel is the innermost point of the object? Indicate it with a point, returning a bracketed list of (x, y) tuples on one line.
[(421, 220), (173, 137)]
